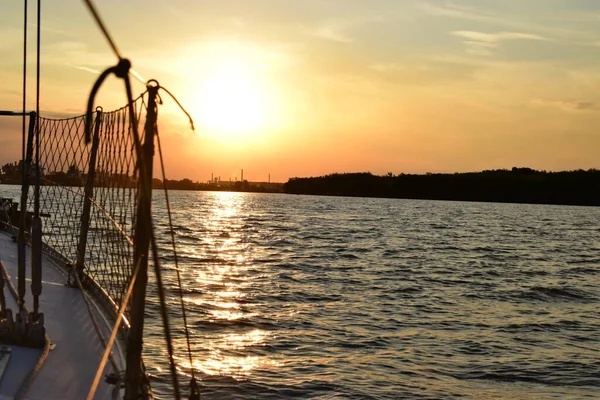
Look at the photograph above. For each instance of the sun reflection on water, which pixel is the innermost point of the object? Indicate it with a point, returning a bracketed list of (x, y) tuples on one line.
[(202, 302), (237, 367), (226, 355), (223, 281)]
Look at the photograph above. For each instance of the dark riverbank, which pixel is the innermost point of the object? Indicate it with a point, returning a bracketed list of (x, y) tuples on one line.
[(519, 185)]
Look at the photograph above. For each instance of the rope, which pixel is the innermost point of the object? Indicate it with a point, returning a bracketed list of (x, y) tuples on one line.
[(194, 389), (181, 107), (100, 24), (164, 313), (111, 42), (185, 324)]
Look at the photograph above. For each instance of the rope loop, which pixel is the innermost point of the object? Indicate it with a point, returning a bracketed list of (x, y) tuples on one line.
[(121, 70)]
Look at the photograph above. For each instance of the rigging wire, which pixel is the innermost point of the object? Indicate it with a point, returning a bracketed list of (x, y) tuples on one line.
[(21, 273), (194, 389), (37, 158), (100, 24), (164, 312), (109, 38), (24, 84), (193, 384), (183, 313), (37, 88)]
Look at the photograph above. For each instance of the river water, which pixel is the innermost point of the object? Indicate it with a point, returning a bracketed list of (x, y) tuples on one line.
[(357, 298)]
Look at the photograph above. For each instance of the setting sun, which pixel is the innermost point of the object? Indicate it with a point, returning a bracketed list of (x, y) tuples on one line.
[(233, 99)]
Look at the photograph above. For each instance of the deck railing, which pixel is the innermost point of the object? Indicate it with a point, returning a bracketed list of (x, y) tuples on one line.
[(87, 195)]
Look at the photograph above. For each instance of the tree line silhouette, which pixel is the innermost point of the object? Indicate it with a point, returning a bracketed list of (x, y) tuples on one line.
[(518, 185)]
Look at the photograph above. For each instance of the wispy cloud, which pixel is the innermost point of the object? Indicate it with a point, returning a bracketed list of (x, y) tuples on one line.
[(568, 105), (541, 24), (456, 11), (337, 29), (84, 68), (72, 52), (331, 32), (483, 44)]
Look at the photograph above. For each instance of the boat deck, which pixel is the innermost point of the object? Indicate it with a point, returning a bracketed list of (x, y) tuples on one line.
[(69, 369)]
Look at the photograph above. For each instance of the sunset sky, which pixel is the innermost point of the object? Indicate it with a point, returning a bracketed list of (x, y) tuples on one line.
[(304, 88)]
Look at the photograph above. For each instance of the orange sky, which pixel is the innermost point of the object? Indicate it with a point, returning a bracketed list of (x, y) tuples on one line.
[(338, 86)]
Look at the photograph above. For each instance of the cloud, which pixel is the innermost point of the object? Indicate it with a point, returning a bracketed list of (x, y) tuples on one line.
[(84, 68), (455, 11), (540, 23), (337, 29), (331, 32), (568, 105), (483, 44), (72, 52)]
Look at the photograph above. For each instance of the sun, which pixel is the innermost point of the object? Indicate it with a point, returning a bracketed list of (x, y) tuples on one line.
[(232, 99)]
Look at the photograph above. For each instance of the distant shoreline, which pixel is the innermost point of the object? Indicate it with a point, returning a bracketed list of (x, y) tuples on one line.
[(515, 186), (519, 185)]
